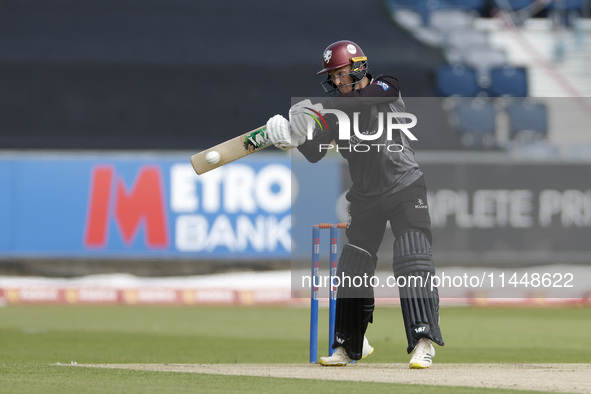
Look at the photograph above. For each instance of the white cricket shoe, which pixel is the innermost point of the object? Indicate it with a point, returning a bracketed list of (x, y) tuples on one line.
[(367, 348), (423, 354), (340, 357)]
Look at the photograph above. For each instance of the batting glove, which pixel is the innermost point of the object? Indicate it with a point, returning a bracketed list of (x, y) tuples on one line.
[(280, 134), (300, 117)]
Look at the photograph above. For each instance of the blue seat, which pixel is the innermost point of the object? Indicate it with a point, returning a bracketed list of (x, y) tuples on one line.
[(508, 81), (457, 80), (475, 121), (528, 119)]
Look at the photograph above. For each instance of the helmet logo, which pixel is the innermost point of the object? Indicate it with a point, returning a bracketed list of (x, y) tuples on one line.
[(327, 56), (351, 49)]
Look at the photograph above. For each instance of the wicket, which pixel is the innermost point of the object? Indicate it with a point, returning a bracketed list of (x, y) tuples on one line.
[(315, 281)]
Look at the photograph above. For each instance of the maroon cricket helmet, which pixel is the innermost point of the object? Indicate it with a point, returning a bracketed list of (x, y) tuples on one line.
[(339, 54)]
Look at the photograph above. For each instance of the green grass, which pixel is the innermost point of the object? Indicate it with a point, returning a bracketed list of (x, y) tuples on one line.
[(32, 338)]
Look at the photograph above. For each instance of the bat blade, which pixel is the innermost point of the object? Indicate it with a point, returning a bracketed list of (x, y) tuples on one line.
[(231, 150)]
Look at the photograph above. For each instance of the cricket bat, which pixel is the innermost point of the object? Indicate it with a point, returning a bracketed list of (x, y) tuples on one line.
[(228, 151)]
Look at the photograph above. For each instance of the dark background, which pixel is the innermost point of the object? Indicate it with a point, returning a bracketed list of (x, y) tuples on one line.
[(181, 74)]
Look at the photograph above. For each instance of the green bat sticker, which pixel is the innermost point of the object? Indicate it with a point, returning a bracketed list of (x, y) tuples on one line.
[(256, 140)]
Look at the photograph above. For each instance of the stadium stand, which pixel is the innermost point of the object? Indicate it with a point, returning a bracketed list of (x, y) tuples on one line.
[(164, 74), (519, 49), (114, 88)]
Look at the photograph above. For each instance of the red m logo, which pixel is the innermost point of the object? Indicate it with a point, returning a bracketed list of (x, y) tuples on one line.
[(143, 204)]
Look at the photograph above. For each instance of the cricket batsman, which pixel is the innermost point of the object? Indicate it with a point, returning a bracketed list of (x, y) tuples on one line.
[(387, 186)]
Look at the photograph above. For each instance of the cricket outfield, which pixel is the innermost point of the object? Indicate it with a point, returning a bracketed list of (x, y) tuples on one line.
[(228, 349)]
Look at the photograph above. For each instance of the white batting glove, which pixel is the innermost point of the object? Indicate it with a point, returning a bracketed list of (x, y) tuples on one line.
[(280, 134), (300, 119)]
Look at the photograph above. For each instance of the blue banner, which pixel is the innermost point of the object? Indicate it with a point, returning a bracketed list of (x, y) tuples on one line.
[(140, 205)]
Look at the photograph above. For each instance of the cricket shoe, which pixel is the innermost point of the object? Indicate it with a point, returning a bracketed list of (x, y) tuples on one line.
[(367, 348), (423, 354), (340, 357)]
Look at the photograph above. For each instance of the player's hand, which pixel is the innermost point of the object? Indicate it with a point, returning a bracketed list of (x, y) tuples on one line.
[(279, 133), (300, 119)]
